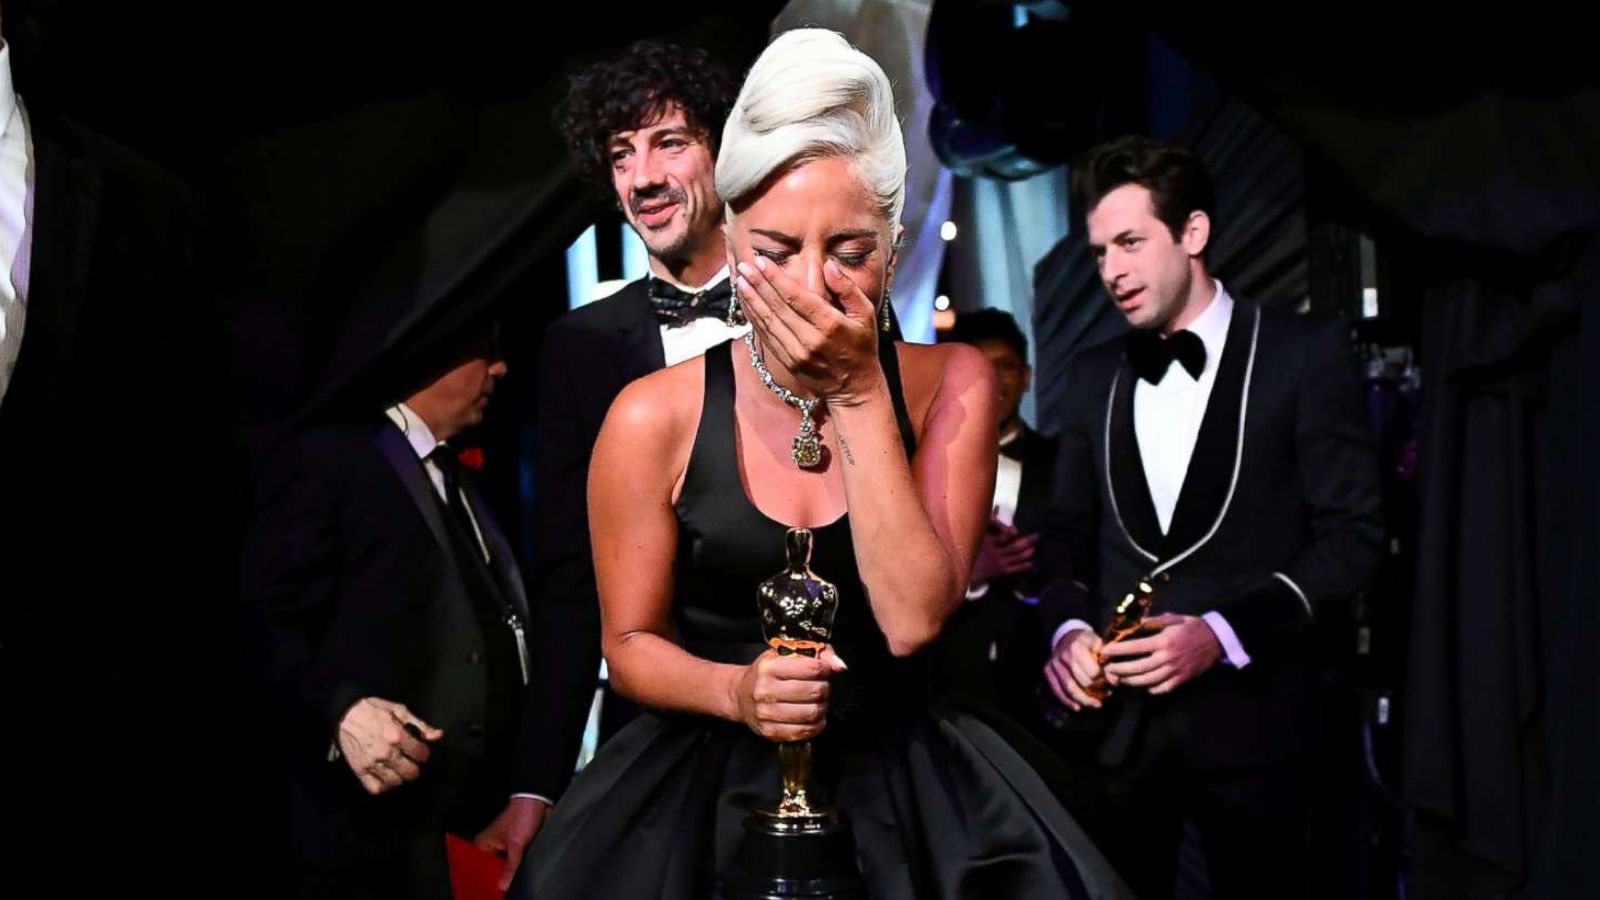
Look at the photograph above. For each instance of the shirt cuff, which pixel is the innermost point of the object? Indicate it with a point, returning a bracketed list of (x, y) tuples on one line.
[(976, 591), (1067, 628), (1232, 650), (539, 797)]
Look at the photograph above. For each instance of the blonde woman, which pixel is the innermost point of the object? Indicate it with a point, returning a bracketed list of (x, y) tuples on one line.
[(700, 470)]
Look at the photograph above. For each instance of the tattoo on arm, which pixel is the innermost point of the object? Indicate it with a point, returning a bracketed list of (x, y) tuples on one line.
[(844, 447)]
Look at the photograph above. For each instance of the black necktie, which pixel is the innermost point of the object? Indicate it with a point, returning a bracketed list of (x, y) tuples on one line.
[(444, 458), (1151, 354), (675, 307)]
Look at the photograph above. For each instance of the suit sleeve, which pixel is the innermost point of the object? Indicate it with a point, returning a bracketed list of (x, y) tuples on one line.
[(1336, 472), (565, 634), (1069, 533), (290, 582)]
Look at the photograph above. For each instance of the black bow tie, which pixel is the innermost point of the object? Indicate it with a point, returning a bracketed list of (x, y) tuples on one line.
[(1151, 354), (675, 307)]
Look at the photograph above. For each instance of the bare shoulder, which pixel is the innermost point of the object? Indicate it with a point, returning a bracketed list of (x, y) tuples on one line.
[(929, 369), (939, 373), (658, 412)]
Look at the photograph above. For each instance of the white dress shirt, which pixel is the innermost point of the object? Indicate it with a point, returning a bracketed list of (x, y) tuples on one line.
[(16, 219), (681, 342), (1166, 423), (1007, 482), (1007, 487), (421, 439), (1167, 416)]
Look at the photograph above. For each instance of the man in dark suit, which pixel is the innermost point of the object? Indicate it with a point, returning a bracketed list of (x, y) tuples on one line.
[(991, 649), (1224, 447), (645, 125), (387, 619), (120, 658)]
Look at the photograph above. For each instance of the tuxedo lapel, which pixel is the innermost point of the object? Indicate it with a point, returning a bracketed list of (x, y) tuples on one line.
[(640, 334), (452, 542), (1125, 479), (1208, 482), (1033, 495), (501, 562), (403, 458)]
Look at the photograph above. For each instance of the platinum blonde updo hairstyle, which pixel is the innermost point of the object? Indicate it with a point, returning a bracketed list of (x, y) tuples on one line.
[(812, 96)]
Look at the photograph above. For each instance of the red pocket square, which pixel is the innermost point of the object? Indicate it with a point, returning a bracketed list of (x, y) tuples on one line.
[(474, 873)]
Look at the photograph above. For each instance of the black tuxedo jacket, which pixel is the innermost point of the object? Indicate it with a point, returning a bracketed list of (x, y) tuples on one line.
[(992, 649), (360, 584), (588, 357), (1278, 516), (1037, 453), (119, 645)]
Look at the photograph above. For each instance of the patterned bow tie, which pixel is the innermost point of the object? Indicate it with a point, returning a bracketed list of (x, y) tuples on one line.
[(1151, 354), (675, 307)]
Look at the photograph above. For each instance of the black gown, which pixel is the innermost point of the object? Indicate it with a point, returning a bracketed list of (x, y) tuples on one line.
[(940, 805)]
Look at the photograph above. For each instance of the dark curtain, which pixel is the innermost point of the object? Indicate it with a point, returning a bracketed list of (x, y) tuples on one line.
[(1500, 725)]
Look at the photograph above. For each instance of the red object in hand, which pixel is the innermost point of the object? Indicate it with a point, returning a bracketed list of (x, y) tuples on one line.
[(474, 873), (471, 458)]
